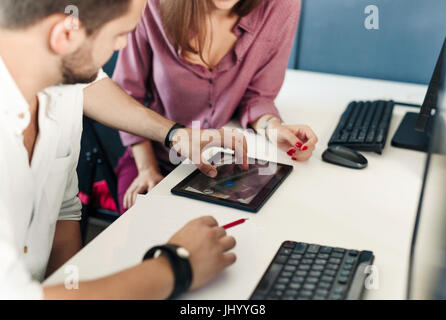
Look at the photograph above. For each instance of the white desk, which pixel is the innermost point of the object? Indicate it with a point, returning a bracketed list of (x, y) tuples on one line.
[(372, 209)]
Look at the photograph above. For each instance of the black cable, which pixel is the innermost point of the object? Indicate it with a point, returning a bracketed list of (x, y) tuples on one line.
[(407, 104)]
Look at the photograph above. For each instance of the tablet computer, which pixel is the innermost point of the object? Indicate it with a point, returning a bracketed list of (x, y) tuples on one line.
[(233, 187)]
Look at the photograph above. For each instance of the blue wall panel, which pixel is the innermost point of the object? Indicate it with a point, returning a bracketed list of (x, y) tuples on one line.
[(333, 38)]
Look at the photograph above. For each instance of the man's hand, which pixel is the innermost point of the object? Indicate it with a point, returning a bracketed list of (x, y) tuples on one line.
[(208, 245), (191, 143)]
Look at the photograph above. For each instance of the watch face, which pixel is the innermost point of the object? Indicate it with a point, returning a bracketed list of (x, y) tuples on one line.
[(183, 253)]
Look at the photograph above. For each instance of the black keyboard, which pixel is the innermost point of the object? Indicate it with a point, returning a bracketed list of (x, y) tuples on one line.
[(309, 271), (364, 126)]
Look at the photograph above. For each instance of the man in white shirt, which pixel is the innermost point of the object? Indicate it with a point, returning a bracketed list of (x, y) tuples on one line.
[(40, 131)]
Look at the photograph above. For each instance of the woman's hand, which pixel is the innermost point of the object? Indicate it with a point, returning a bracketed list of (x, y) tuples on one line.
[(298, 141), (145, 181)]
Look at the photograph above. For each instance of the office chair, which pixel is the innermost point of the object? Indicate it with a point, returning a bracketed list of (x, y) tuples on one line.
[(101, 149)]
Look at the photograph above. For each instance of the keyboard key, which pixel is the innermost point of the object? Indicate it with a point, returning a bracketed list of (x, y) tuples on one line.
[(325, 250), (281, 258), (310, 256), (300, 248), (304, 267), (348, 267), (290, 268), (306, 293), (291, 292), (283, 280), (337, 255), (350, 261), (353, 253), (322, 292), (312, 280), (327, 278), (307, 261), (328, 272), (340, 250), (323, 256), (296, 256), (345, 273), (324, 285), (336, 297), (320, 261), (297, 279), (332, 266), (277, 293), (295, 286), (279, 286), (293, 262), (319, 297), (309, 286), (301, 273), (343, 280), (317, 267), (289, 244), (313, 248), (285, 251), (334, 260), (339, 289), (286, 274), (315, 274)]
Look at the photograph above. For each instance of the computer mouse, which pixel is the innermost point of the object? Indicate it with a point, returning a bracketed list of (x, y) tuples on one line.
[(345, 157)]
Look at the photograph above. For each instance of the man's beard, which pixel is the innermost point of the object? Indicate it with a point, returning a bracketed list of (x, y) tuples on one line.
[(78, 67)]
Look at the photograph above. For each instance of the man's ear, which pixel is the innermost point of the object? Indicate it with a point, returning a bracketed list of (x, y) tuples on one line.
[(66, 35)]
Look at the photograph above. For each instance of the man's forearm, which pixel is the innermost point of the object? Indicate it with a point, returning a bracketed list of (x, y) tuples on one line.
[(107, 103), (151, 280)]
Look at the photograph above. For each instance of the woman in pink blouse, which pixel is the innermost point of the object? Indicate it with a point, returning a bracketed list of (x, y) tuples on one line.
[(207, 61)]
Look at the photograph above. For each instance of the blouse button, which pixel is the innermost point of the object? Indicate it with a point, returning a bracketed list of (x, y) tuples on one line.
[(210, 106), (25, 249)]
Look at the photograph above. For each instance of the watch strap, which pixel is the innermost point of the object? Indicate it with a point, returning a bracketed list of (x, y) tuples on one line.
[(170, 134), (181, 267)]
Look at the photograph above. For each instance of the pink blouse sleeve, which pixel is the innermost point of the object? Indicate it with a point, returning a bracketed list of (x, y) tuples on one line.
[(267, 82), (132, 72)]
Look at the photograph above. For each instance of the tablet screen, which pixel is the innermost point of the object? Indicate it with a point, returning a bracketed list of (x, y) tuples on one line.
[(233, 183)]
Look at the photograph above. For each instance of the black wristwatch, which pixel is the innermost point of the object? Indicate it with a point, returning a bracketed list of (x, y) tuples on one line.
[(179, 260), (170, 134)]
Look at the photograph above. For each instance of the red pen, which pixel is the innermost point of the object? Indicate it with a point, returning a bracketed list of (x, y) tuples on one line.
[(235, 223)]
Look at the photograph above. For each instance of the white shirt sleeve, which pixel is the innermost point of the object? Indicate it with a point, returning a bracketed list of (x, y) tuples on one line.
[(15, 281), (71, 205), (101, 76)]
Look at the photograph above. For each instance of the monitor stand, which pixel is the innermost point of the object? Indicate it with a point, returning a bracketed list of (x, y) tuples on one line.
[(408, 137)]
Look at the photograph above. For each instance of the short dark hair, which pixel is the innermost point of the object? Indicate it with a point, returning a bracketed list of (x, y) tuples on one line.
[(20, 14)]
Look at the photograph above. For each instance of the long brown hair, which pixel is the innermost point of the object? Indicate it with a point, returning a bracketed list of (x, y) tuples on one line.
[(185, 18)]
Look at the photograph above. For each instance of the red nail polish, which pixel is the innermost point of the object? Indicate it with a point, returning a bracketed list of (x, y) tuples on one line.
[(291, 152), (304, 148), (299, 144), (294, 158)]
